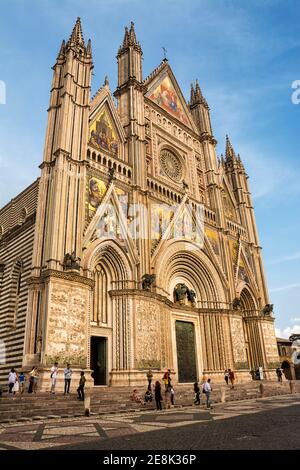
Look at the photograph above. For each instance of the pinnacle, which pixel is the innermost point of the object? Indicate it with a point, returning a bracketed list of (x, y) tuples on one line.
[(77, 36), (129, 39), (62, 50), (229, 151), (196, 95)]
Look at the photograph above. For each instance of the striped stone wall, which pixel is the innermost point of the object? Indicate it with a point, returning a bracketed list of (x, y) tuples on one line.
[(17, 224)]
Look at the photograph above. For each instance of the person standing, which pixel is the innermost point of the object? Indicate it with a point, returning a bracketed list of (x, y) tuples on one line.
[(172, 393), (16, 386), (53, 376), (226, 376), (166, 379), (149, 378), (35, 379), (31, 380), (207, 390), (80, 389), (12, 377), (279, 374), (231, 377), (197, 393), (157, 394), (68, 375), (22, 382)]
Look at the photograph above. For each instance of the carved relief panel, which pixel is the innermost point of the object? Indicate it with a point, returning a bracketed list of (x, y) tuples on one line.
[(67, 324)]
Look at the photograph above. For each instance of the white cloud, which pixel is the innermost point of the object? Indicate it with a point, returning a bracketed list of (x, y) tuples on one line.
[(287, 332), (286, 258), (286, 287)]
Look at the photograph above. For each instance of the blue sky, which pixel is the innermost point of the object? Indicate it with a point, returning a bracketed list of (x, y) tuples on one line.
[(246, 56)]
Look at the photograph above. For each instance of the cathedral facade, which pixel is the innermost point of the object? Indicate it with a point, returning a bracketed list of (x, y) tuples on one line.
[(137, 246)]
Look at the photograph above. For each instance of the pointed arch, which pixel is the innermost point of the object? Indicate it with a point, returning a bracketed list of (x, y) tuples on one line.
[(182, 263)]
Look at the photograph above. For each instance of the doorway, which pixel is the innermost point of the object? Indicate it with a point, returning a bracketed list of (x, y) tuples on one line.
[(186, 353), (99, 360)]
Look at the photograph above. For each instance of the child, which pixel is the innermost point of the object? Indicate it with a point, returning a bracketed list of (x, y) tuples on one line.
[(22, 382), (80, 389)]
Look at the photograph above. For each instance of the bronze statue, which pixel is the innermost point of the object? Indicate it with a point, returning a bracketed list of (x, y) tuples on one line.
[(71, 261), (147, 281), (192, 297), (111, 174), (236, 303), (268, 309), (181, 291)]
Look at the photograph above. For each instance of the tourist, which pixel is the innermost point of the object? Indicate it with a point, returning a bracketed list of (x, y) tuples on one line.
[(166, 379), (279, 374), (31, 380), (207, 390), (68, 374), (148, 396), (172, 394), (149, 378), (136, 397), (157, 395), (35, 379), (197, 393), (16, 386), (53, 376), (168, 397), (226, 376), (231, 376), (12, 376), (80, 389), (22, 382)]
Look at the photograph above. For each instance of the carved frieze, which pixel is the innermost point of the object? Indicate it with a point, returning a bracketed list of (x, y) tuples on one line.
[(67, 320)]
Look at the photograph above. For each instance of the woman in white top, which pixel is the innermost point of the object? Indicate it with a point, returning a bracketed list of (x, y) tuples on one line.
[(12, 377)]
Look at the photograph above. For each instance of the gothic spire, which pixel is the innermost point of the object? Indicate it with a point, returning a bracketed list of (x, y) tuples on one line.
[(129, 40), (89, 48), (76, 37), (62, 49), (196, 95), (192, 100), (229, 151), (132, 35)]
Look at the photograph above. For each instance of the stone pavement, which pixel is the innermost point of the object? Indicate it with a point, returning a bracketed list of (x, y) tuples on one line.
[(254, 423), (116, 399)]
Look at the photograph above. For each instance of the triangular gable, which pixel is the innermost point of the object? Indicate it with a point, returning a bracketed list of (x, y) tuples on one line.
[(164, 90), (176, 223), (229, 201), (105, 129), (110, 222), (209, 249), (244, 270)]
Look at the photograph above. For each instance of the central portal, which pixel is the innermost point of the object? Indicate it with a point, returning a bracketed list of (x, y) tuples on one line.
[(99, 359), (186, 354)]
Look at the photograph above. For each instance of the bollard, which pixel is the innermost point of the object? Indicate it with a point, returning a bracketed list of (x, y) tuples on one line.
[(223, 395), (87, 406), (261, 389), (292, 386)]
